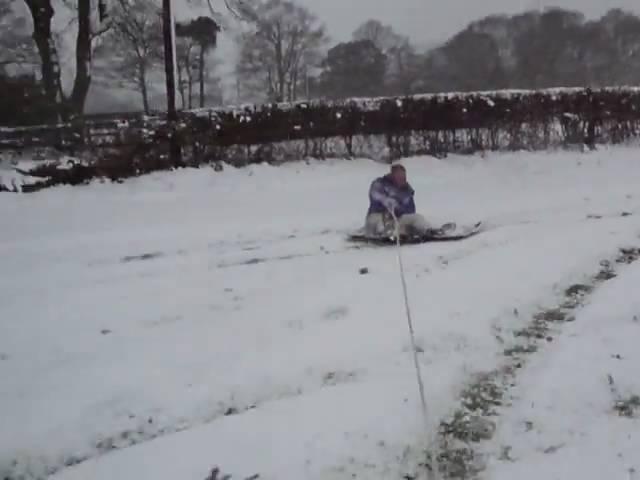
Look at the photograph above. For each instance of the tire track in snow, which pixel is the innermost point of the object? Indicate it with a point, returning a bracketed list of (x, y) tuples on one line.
[(147, 429), (473, 423)]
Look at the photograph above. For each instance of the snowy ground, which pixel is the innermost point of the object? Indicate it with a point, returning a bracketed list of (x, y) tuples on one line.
[(11, 163), (576, 410), (220, 318)]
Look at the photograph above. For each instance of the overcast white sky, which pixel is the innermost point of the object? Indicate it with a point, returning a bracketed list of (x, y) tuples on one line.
[(428, 21)]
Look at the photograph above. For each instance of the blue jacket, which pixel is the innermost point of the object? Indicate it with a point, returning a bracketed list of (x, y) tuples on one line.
[(382, 189)]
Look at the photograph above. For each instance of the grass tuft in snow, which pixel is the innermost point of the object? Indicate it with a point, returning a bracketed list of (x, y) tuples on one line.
[(625, 406), (520, 350), (575, 295), (628, 407), (606, 273), (578, 290), (460, 463), (216, 474), (553, 315), (143, 257), (536, 330), (471, 424), (628, 255)]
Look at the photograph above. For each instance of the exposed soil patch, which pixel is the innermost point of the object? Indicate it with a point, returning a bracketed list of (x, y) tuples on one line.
[(627, 406)]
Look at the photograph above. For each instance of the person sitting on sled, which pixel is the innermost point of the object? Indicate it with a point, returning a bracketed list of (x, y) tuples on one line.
[(392, 195)]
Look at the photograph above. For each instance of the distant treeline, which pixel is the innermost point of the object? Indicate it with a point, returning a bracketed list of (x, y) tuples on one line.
[(532, 50)]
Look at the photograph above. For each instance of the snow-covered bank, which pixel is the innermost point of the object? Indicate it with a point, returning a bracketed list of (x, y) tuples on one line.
[(138, 310), (576, 410), (15, 164)]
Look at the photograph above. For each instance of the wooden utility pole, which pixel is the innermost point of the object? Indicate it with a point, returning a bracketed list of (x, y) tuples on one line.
[(170, 73)]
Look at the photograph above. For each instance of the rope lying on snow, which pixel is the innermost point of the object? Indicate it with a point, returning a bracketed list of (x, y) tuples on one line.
[(435, 470)]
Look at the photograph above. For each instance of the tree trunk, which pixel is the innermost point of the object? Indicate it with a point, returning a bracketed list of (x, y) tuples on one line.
[(82, 81), (280, 66), (175, 150), (271, 94), (42, 13), (306, 83), (169, 64), (201, 68), (294, 93), (181, 85), (144, 91), (189, 70)]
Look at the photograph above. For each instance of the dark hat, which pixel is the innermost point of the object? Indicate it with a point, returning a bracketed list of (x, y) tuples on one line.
[(398, 166)]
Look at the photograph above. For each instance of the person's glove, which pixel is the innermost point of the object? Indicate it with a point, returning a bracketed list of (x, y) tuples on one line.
[(391, 204)]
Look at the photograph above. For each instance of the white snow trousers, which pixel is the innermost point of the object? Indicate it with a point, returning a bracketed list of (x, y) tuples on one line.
[(380, 224)]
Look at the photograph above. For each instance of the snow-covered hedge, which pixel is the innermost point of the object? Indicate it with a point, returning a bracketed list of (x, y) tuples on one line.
[(379, 127), (514, 112)]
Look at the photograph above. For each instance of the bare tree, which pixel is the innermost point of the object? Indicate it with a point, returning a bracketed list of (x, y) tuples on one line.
[(16, 46), (215, 91), (382, 36), (402, 59), (42, 14), (403, 69), (203, 32), (186, 63), (356, 68), (89, 28), (274, 58), (169, 42), (240, 9), (136, 40)]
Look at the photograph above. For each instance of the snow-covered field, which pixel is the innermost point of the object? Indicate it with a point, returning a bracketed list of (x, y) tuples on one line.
[(158, 328)]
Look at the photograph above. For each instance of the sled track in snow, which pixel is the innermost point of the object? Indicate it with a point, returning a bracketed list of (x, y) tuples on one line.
[(442, 254), (218, 246), (255, 247), (452, 251)]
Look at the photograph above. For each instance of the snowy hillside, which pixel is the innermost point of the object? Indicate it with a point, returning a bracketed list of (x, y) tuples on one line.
[(179, 321)]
